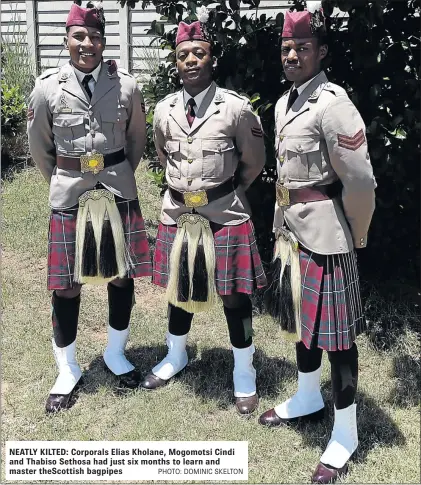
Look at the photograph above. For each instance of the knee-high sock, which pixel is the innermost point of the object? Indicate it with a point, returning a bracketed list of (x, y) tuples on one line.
[(120, 304), (65, 316), (179, 321), (308, 360), (240, 327), (344, 368)]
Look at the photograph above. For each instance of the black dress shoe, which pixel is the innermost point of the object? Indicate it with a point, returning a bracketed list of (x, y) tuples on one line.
[(129, 380), (272, 420), (326, 474), (246, 405), (151, 382), (59, 402)]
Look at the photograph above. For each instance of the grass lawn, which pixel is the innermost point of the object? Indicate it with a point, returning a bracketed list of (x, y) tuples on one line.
[(198, 404)]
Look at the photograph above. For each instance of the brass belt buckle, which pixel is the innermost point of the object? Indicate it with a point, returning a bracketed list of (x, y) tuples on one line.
[(282, 195), (198, 198), (92, 162)]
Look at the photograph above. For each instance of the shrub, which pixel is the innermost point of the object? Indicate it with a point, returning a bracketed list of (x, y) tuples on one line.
[(13, 110), (16, 85)]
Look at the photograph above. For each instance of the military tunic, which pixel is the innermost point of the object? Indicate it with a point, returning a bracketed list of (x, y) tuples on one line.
[(225, 139), (320, 140), (63, 121)]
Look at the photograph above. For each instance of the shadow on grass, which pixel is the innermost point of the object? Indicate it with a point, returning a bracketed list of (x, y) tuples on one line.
[(407, 373), (375, 427), (143, 358), (209, 377), (11, 167)]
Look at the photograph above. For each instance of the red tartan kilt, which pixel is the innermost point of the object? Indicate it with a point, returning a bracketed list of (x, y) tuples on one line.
[(331, 313), (62, 242), (238, 265)]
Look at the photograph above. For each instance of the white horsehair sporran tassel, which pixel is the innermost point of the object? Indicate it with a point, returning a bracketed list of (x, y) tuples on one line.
[(98, 209), (283, 297), (191, 284)]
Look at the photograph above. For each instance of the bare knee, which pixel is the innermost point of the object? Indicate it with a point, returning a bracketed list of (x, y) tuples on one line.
[(69, 293), (235, 300)]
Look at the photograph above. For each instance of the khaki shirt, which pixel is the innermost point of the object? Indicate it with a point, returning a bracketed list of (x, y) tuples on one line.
[(225, 139), (320, 140), (62, 121)]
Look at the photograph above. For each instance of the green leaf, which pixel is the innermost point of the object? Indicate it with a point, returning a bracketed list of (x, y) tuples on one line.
[(149, 117), (279, 19), (234, 4), (160, 28), (255, 97)]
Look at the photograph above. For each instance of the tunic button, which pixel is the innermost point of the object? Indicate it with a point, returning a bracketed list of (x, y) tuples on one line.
[(299, 148), (90, 113), (281, 159), (189, 139), (362, 243), (281, 137), (92, 132), (190, 160)]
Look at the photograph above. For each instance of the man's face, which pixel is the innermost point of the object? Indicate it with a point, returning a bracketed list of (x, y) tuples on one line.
[(301, 59), (86, 45), (194, 64)]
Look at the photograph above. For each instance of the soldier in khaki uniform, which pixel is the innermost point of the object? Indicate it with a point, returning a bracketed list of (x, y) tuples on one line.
[(211, 144), (325, 202), (86, 129)]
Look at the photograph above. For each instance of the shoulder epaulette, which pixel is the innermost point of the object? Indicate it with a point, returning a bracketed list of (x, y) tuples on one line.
[(334, 88), (234, 93), (168, 96), (49, 72), (124, 71)]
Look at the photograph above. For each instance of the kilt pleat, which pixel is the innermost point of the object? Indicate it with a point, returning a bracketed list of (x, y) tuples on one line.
[(238, 266), (332, 314), (62, 243)]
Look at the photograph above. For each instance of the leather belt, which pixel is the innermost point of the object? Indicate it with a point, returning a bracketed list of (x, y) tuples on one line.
[(286, 197), (199, 198), (90, 162)]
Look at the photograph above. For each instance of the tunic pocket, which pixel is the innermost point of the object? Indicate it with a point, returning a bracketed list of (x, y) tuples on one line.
[(304, 160), (114, 124), (217, 162), (69, 132), (172, 147)]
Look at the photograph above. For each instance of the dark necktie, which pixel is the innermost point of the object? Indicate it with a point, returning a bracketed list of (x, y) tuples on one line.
[(85, 84), (292, 97), (191, 115)]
